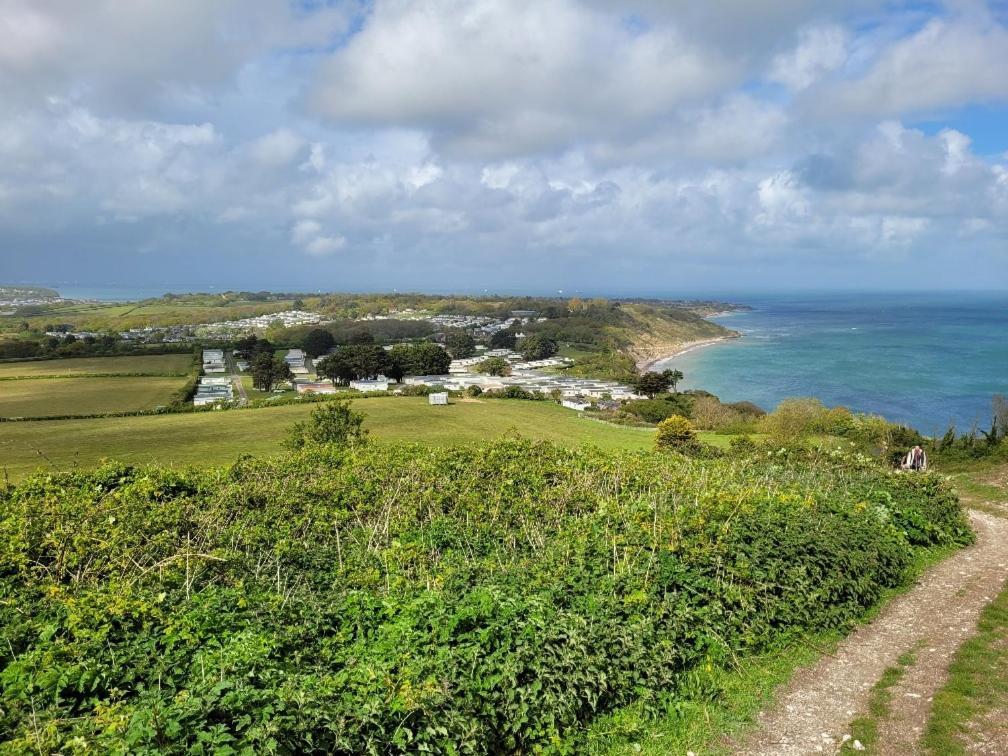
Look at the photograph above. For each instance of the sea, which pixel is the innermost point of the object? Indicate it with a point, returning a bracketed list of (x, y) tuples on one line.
[(925, 360)]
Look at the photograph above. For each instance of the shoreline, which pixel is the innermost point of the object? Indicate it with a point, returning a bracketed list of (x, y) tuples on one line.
[(645, 366)]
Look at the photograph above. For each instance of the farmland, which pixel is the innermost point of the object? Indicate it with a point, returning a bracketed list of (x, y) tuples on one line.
[(214, 438), (152, 364), (53, 397)]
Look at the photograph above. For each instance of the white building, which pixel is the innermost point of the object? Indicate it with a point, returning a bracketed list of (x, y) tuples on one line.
[(314, 387), (376, 384), (295, 360), (439, 398), (213, 361), (579, 405), (213, 389)]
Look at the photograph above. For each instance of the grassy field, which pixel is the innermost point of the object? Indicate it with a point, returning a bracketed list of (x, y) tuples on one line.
[(155, 312), (47, 397), (148, 364), (214, 438)]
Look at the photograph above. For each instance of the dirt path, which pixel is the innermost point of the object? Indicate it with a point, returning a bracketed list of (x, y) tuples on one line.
[(813, 713)]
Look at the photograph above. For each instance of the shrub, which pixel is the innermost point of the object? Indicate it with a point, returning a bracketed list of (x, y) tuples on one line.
[(496, 598), (494, 366), (675, 432), (656, 410), (332, 424)]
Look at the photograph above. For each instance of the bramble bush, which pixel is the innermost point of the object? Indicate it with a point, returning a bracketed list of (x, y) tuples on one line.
[(493, 598)]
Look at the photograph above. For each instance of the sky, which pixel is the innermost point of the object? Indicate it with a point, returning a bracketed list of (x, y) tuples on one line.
[(598, 146)]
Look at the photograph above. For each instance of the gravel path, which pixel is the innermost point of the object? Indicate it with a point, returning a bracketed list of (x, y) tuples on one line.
[(814, 711)]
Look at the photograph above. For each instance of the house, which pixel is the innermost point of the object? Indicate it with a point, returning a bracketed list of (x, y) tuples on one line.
[(577, 404), (295, 359), (213, 361), (314, 387), (375, 384), (439, 398), (213, 389)]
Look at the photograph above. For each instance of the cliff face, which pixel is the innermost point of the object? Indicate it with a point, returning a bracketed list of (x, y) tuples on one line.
[(652, 333)]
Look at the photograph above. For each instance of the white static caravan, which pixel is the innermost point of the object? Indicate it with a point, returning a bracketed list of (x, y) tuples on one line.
[(439, 398)]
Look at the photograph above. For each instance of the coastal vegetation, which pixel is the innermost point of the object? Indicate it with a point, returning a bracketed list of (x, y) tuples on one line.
[(497, 597)]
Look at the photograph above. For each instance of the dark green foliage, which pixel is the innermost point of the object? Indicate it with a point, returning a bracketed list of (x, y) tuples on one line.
[(268, 370), (424, 358), (317, 341), (538, 347), (494, 366), (460, 344), (656, 410), (332, 423), (353, 362), (503, 339), (487, 599), (652, 384)]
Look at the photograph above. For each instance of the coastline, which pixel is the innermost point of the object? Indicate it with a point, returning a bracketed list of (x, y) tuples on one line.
[(646, 365)]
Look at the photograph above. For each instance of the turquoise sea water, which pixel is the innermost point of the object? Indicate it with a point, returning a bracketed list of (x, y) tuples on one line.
[(922, 359)]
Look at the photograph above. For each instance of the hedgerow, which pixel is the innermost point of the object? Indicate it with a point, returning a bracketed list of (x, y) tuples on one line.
[(389, 599)]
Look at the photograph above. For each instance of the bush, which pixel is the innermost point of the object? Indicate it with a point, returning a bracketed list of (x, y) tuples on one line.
[(675, 432), (656, 410), (494, 366), (331, 424), (496, 598)]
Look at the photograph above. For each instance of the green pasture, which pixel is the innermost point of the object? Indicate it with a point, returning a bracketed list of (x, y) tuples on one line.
[(48, 397), (216, 438), (147, 364)]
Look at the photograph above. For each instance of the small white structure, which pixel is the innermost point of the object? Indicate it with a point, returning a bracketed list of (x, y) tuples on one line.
[(213, 361), (213, 389), (577, 404), (295, 359), (314, 387), (439, 398), (376, 384)]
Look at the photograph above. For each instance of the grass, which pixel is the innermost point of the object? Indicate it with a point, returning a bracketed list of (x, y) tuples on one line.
[(52, 397), (721, 704), (47, 397), (215, 438), (864, 729), (977, 685), (148, 364)]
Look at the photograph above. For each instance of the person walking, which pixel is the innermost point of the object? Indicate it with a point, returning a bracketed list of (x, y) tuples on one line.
[(916, 459)]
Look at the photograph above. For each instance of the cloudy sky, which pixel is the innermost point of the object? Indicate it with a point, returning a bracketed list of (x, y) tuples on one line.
[(653, 146)]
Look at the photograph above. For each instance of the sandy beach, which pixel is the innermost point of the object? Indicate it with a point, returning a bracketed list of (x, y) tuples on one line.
[(646, 365)]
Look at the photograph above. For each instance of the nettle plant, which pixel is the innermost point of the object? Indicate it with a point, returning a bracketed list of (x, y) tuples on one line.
[(494, 598)]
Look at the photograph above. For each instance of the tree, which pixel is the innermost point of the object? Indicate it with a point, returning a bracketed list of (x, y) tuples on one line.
[(331, 424), (268, 371), (503, 340), (337, 367), (538, 347), (298, 304), (369, 360), (423, 358), (460, 345), (494, 366), (317, 341), (352, 362), (674, 376), (361, 337), (675, 432), (652, 384)]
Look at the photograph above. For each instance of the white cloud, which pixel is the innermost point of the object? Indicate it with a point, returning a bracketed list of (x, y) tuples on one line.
[(820, 51), (325, 245), (493, 77), (948, 63)]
